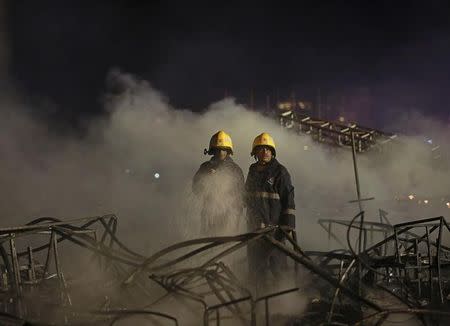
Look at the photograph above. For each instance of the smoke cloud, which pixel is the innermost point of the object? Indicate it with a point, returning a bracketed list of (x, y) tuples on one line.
[(139, 160)]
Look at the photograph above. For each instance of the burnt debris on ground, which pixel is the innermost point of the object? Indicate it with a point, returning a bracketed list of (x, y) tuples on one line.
[(381, 270)]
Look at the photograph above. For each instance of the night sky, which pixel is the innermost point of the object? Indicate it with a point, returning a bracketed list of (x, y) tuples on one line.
[(61, 51)]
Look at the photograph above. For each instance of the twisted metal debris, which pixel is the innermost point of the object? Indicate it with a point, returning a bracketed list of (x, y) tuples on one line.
[(408, 265)]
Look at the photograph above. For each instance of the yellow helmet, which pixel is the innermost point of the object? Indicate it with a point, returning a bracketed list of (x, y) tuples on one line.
[(220, 140), (263, 140)]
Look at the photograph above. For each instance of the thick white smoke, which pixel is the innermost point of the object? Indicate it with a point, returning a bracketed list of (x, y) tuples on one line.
[(112, 170), (139, 160)]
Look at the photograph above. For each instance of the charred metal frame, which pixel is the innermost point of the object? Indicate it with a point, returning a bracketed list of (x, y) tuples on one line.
[(368, 228), (410, 260), (411, 264), (18, 278)]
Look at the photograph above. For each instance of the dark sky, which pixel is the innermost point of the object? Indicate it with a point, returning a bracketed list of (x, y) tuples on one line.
[(400, 50)]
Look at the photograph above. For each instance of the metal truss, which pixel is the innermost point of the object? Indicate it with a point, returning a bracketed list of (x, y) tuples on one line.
[(336, 134)]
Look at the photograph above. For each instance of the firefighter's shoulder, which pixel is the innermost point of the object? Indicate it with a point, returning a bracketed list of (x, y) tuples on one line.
[(234, 165), (205, 165), (253, 166), (282, 169)]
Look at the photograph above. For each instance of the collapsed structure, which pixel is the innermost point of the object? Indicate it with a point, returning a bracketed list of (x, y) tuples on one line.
[(375, 272), (409, 266)]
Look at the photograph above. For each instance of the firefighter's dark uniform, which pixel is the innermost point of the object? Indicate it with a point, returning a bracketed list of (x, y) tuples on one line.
[(270, 200), (220, 184)]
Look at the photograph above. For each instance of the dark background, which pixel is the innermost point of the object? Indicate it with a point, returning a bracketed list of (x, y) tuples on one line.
[(394, 54)]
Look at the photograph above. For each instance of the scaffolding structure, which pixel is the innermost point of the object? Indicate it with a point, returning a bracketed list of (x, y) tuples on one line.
[(336, 133)]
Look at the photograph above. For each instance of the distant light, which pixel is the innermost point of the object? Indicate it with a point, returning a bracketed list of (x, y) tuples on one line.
[(341, 119), (411, 197), (425, 201), (305, 148), (448, 204), (156, 175), (430, 141)]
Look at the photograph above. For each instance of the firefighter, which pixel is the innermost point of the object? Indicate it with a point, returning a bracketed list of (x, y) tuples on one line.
[(219, 183), (270, 201)]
